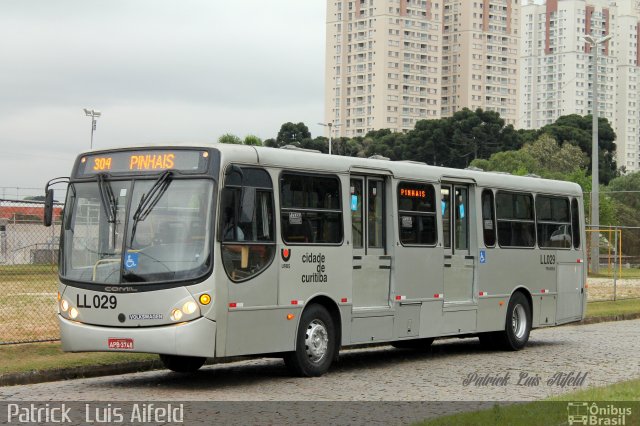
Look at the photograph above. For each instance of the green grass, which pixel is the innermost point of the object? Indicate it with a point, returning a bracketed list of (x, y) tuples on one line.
[(619, 307), (625, 273), (28, 302), (552, 411), (49, 356), (21, 273)]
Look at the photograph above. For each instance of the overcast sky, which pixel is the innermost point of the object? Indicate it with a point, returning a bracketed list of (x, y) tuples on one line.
[(158, 70)]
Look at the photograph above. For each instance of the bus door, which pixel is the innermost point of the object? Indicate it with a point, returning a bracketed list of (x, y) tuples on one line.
[(371, 264), (457, 228)]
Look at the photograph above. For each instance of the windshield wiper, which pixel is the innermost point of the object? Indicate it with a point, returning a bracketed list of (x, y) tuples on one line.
[(109, 202), (149, 200)]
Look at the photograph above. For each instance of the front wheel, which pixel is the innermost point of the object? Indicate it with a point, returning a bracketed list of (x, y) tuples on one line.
[(315, 343), (182, 364), (518, 324)]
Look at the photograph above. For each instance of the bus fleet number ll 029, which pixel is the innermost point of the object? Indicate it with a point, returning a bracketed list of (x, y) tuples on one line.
[(96, 302)]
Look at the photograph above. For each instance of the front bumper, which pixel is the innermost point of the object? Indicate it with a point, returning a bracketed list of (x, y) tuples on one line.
[(193, 338)]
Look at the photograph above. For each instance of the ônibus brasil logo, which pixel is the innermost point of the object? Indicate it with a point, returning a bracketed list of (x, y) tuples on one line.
[(286, 254)]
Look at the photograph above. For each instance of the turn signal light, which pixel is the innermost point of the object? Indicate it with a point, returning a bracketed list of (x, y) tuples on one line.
[(205, 299), (290, 316)]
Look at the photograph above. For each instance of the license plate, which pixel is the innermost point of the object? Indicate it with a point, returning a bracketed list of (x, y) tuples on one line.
[(123, 343)]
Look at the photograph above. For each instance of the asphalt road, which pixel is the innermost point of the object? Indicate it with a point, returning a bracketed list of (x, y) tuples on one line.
[(454, 370)]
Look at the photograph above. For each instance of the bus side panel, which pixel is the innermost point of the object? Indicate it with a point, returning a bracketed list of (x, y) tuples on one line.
[(431, 319), (417, 272), (491, 315), (503, 271), (570, 291), (264, 330), (547, 310)]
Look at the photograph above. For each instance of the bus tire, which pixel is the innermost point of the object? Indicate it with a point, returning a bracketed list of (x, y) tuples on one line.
[(420, 344), (315, 343), (182, 364), (518, 324)]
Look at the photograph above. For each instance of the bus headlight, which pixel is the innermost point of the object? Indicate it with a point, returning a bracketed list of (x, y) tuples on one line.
[(73, 313), (64, 305), (189, 308), (176, 315)]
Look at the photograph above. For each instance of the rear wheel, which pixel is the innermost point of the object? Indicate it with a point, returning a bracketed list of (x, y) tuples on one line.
[(182, 364), (518, 324), (316, 344)]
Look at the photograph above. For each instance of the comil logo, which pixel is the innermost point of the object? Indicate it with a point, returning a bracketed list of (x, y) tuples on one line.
[(584, 413), (286, 254)]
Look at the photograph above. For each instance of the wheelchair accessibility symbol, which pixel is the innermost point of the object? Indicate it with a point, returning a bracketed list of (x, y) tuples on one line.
[(131, 262), (483, 256)]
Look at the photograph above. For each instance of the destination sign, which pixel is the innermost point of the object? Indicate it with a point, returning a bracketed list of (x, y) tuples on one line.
[(416, 197), (143, 161)]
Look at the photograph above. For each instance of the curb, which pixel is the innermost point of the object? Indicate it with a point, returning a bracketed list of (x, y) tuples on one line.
[(32, 377), (85, 372), (90, 371), (610, 318)]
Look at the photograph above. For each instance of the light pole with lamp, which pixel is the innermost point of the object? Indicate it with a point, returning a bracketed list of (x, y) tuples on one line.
[(595, 181), (330, 125), (94, 115)]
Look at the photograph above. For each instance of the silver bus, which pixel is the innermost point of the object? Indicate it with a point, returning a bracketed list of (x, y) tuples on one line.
[(212, 251)]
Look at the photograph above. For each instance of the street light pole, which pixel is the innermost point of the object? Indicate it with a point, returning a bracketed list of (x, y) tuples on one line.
[(329, 125), (595, 181), (94, 115)]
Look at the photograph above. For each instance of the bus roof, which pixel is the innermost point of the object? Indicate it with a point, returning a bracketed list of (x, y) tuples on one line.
[(308, 160)]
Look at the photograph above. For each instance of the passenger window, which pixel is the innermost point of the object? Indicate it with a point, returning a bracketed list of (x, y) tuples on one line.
[(417, 214), (246, 225), (553, 223), (310, 209), (575, 223), (488, 218), (516, 225), (445, 203), (357, 226)]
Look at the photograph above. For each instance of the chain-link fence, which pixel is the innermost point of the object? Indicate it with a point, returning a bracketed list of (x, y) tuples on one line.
[(618, 275), (28, 272)]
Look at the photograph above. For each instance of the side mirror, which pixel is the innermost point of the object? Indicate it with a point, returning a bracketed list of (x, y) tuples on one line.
[(48, 208), (248, 207)]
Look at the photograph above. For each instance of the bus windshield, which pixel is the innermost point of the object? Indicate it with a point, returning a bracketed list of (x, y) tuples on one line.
[(137, 231)]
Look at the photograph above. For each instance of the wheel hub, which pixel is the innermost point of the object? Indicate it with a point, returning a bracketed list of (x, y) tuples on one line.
[(519, 321), (316, 341)]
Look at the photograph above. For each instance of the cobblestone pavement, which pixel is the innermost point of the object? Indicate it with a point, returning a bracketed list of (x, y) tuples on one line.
[(605, 352)]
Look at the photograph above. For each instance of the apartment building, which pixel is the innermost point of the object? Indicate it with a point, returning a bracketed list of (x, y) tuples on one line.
[(390, 63), (557, 66)]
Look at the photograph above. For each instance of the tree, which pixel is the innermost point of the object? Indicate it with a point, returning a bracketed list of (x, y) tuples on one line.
[(230, 138), (292, 134), (551, 158), (252, 140), (271, 142), (576, 130), (515, 162)]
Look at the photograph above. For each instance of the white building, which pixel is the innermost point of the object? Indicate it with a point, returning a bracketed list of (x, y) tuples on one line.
[(390, 63), (556, 66)]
